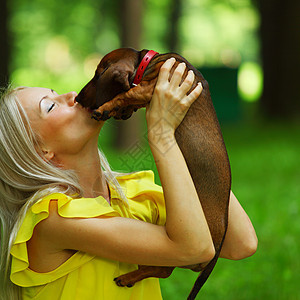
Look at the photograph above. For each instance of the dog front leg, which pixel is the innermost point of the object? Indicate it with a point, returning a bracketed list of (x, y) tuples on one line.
[(143, 272), (125, 103)]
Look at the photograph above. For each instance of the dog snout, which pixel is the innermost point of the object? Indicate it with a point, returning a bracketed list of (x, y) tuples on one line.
[(86, 96), (79, 98)]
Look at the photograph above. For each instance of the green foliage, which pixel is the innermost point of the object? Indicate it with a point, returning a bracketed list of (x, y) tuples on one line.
[(54, 43), (219, 32), (59, 44)]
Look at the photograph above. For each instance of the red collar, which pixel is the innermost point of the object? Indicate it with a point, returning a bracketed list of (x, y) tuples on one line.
[(142, 67)]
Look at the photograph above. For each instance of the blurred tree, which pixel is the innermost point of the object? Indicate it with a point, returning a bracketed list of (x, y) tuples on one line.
[(4, 42), (130, 21), (172, 38), (130, 18), (280, 46)]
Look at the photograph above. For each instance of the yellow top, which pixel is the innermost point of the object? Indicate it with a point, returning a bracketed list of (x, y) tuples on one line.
[(84, 276)]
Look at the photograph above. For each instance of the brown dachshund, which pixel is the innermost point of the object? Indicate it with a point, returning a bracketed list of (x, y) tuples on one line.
[(111, 93)]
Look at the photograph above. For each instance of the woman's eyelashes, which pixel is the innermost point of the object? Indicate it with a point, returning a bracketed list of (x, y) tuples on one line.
[(47, 105), (50, 107)]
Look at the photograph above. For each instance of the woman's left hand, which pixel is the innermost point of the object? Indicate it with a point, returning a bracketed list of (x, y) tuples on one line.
[(170, 101)]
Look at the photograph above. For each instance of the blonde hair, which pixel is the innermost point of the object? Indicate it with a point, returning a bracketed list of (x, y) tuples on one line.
[(25, 178)]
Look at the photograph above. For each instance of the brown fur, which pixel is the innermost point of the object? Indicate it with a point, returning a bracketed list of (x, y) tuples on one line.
[(199, 137)]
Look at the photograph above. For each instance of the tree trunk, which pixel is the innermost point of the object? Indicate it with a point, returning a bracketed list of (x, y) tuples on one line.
[(172, 38), (130, 16), (280, 41), (4, 44), (131, 23)]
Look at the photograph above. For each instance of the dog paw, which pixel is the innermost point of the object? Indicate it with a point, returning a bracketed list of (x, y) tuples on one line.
[(98, 116), (119, 282), (105, 115)]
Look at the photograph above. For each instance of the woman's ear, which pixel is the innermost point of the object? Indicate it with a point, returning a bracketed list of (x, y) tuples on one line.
[(47, 155)]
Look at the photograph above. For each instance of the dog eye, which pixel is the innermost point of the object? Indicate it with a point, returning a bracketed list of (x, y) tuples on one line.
[(97, 75), (104, 70)]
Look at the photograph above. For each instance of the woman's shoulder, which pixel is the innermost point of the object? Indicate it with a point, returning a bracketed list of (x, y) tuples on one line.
[(73, 206), (66, 207)]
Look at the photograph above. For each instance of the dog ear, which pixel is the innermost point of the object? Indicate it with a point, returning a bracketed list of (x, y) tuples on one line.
[(115, 80), (116, 76), (122, 77)]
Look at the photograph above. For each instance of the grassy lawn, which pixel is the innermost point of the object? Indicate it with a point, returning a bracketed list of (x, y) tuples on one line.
[(265, 166)]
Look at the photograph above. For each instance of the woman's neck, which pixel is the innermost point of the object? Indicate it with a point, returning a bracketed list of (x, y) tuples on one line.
[(87, 166), (92, 180), (94, 186)]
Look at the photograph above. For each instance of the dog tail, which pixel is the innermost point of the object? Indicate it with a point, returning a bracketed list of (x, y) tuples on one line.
[(203, 277)]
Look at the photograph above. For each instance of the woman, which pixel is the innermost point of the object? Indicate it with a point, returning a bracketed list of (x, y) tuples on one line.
[(71, 227)]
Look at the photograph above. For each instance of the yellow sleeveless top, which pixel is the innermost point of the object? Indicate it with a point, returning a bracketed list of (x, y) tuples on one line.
[(84, 276)]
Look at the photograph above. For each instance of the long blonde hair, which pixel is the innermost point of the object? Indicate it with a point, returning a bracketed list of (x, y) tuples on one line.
[(24, 178)]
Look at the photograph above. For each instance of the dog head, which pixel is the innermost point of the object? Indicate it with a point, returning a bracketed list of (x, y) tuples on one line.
[(113, 75)]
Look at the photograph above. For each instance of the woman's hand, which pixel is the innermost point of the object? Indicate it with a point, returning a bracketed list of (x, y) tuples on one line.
[(170, 101)]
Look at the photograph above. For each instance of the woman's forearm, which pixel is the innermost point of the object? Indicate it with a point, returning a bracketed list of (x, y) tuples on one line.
[(186, 225)]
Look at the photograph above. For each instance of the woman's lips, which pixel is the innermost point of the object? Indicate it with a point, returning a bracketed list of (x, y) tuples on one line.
[(89, 110)]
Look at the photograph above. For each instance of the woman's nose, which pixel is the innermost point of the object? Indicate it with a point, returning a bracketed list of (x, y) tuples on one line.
[(70, 98)]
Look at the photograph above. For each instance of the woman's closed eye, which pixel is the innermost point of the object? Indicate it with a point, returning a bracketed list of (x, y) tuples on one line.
[(50, 107), (46, 105)]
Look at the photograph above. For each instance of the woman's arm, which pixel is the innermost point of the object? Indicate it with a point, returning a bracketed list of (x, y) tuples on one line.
[(186, 238), (241, 240), (186, 222)]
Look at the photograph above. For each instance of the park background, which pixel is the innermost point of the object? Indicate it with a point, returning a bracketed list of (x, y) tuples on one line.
[(249, 51)]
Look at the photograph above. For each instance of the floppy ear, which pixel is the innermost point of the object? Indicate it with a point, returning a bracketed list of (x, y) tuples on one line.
[(115, 80), (124, 70), (122, 77)]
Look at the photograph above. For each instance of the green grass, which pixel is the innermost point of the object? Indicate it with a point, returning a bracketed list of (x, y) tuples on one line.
[(265, 166)]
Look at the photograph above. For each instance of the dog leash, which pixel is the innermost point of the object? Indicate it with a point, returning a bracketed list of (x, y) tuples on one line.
[(142, 67)]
